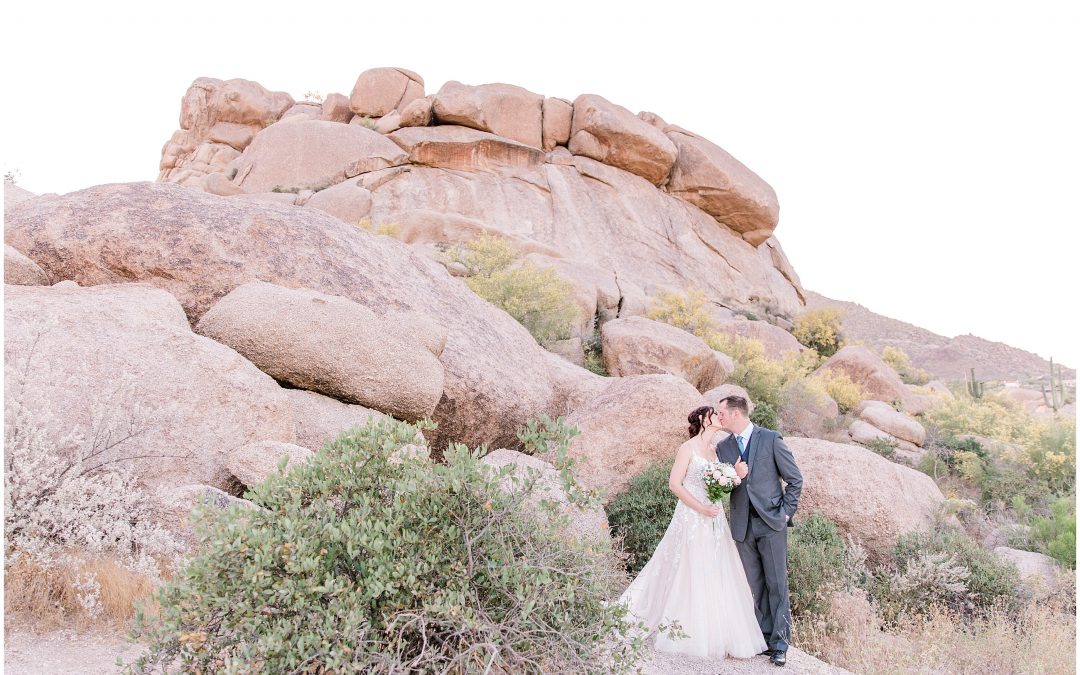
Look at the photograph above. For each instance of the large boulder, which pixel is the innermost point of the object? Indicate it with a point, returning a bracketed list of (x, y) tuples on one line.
[(253, 463), (775, 340), (503, 109), (584, 211), (632, 423), (335, 108), (22, 271), (639, 346), (865, 368), (1039, 573), (888, 419), (708, 177), (558, 119), (417, 113), (716, 394), (122, 361), (329, 344), (871, 499), (216, 115), (866, 433), (457, 147), (613, 135), (320, 419), (380, 91), (586, 525), (312, 154), (200, 247)]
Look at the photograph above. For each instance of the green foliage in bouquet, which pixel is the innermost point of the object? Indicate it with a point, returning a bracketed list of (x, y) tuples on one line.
[(372, 558)]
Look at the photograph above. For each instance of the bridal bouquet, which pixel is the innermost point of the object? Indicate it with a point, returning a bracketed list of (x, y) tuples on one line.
[(720, 479)]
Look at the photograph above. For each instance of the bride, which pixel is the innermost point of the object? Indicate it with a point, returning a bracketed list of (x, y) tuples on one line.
[(695, 576)]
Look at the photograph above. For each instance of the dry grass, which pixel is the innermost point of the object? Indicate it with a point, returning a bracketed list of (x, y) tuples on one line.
[(47, 597), (1040, 639)]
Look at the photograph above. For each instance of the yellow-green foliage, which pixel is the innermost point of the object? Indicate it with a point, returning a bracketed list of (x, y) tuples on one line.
[(842, 389), (763, 378), (820, 330), (901, 363), (384, 229), (683, 310), (1047, 445), (537, 298)]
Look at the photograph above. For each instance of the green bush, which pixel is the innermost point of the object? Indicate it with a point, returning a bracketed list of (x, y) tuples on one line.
[(991, 582), (594, 355), (819, 564), (642, 513), (901, 363), (764, 415), (820, 330), (882, 446), (369, 558), (1056, 535), (537, 298)]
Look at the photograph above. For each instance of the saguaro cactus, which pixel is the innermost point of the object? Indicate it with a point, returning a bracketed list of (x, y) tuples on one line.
[(1055, 398), (975, 387)]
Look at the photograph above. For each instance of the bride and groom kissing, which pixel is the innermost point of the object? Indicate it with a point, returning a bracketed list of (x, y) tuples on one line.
[(726, 588)]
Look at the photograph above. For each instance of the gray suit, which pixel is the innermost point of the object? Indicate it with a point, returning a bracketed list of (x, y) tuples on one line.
[(762, 540)]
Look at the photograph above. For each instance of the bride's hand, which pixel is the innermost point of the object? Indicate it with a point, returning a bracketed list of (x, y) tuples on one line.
[(709, 510)]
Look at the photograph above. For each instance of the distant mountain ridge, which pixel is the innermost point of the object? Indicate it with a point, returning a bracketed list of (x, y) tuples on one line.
[(946, 358)]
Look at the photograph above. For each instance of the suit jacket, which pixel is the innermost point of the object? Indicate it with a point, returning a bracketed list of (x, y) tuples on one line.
[(768, 460)]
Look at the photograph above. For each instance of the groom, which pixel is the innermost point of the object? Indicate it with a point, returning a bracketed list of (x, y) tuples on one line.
[(761, 512)]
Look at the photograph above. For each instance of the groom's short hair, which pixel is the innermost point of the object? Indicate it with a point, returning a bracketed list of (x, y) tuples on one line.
[(736, 403)]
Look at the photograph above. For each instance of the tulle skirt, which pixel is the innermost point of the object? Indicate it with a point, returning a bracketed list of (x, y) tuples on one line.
[(695, 578)]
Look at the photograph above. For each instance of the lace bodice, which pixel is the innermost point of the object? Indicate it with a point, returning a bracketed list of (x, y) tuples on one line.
[(693, 482)]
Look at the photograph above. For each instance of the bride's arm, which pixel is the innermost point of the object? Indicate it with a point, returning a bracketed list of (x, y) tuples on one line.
[(675, 479)]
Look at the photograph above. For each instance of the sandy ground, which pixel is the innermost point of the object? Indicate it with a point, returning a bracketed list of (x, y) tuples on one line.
[(65, 652)]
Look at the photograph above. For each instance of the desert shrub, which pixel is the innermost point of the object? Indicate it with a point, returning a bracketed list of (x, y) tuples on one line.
[(391, 230), (801, 402), (842, 389), (901, 363), (543, 435), (538, 298), (641, 514), (594, 355), (365, 559), (923, 573), (1039, 638), (79, 532), (1056, 535), (1044, 449), (882, 446), (764, 415), (819, 564), (683, 310), (820, 330)]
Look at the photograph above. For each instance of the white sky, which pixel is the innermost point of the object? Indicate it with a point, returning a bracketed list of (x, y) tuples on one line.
[(925, 153)]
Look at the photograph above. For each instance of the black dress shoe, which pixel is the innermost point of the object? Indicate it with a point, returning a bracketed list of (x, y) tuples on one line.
[(767, 652), (778, 658)]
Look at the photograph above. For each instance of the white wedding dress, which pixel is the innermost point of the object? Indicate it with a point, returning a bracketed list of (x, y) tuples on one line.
[(695, 577)]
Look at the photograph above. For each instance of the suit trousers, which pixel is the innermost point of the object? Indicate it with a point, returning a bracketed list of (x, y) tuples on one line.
[(764, 557)]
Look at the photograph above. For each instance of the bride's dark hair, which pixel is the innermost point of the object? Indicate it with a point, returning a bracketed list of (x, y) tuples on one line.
[(697, 419)]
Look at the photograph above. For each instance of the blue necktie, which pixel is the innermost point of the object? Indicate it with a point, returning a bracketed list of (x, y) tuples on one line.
[(742, 450)]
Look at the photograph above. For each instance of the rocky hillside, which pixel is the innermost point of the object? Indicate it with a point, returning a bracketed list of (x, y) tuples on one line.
[(624, 205), (945, 358)]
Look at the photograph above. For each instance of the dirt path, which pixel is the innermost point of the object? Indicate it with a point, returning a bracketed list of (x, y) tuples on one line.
[(66, 652)]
